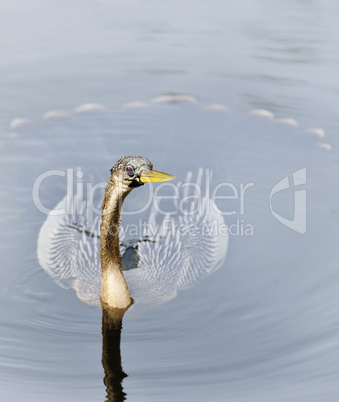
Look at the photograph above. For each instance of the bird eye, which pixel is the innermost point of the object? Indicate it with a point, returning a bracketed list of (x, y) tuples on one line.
[(130, 170)]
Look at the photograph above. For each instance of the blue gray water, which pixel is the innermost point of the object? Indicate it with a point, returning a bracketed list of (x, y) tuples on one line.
[(265, 325)]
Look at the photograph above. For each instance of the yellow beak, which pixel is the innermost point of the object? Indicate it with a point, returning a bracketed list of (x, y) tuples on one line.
[(153, 175)]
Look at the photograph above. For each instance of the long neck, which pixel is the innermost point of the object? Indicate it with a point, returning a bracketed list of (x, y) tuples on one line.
[(114, 290)]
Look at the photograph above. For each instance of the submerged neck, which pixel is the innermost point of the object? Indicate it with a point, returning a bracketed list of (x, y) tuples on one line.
[(114, 290)]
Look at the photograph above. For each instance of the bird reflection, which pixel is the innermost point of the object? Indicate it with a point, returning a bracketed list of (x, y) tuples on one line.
[(111, 355)]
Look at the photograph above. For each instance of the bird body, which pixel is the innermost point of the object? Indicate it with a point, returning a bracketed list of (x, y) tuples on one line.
[(98, 262)]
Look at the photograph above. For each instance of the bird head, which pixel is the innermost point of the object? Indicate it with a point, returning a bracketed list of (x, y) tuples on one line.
[(134, 171)]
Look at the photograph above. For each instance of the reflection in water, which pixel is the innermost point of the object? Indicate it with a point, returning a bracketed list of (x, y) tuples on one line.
[(111, 355)]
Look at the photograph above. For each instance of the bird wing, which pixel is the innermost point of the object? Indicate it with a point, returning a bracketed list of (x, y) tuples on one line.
[(183, 248), (69, 250)]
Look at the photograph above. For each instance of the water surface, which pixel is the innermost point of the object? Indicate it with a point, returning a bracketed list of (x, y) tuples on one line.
[(263, 326)]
